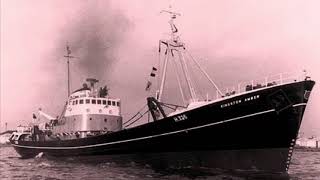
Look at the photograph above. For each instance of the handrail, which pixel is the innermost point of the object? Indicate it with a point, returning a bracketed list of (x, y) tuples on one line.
[(278, 79)]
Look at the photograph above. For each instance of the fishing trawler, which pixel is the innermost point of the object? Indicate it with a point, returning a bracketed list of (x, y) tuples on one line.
[(252, 126)]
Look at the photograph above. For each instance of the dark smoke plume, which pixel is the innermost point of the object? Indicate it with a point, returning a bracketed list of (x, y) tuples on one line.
[(94, 38)]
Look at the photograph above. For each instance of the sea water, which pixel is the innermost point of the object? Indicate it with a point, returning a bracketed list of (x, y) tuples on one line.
[(305, 165)]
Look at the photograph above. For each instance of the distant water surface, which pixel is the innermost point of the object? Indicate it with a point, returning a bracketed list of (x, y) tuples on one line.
[(305, 166)]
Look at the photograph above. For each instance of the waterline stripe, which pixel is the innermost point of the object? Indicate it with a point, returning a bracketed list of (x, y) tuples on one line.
[(153, 136)]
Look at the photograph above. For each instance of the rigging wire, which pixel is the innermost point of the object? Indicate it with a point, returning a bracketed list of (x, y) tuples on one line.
[(167, 105), (196, 88), (63, 111), (186, 74), (162, 103), (205, 73), (141, 115), (135, 115), (178, 79)]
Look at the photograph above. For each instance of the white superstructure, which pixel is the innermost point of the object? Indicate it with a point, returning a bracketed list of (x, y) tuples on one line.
[(89, 110)]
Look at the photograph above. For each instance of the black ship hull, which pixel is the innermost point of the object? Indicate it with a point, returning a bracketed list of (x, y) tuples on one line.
[(253, 130)]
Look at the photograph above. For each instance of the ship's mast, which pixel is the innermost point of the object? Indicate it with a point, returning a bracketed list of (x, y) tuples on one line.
[(68, 57), (163, 78), (175, 45), (174, 30)]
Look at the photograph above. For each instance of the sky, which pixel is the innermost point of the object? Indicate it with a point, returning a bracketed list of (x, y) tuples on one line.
[(116, 41)]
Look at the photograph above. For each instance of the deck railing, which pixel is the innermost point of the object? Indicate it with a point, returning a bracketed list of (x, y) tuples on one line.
[(278, 79)]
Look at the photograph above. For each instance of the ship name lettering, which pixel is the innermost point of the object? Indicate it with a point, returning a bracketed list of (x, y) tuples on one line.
[(251, 98), (231, 103)]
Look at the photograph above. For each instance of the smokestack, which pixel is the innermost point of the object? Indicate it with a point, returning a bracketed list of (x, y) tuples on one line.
[(92, 81)]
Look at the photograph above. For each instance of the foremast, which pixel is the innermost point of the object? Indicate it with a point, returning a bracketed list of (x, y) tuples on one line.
[(176, 51), (172, 50)]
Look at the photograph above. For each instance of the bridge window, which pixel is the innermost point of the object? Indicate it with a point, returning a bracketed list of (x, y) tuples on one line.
[(118, 103), (81, 101), (109, 102), (104, 102), (113, 103), (87, 101), (98, 101), (93, 101), (73, 102)]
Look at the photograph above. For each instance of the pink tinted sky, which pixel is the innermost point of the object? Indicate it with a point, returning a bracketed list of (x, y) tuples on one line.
[(235, 40)]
